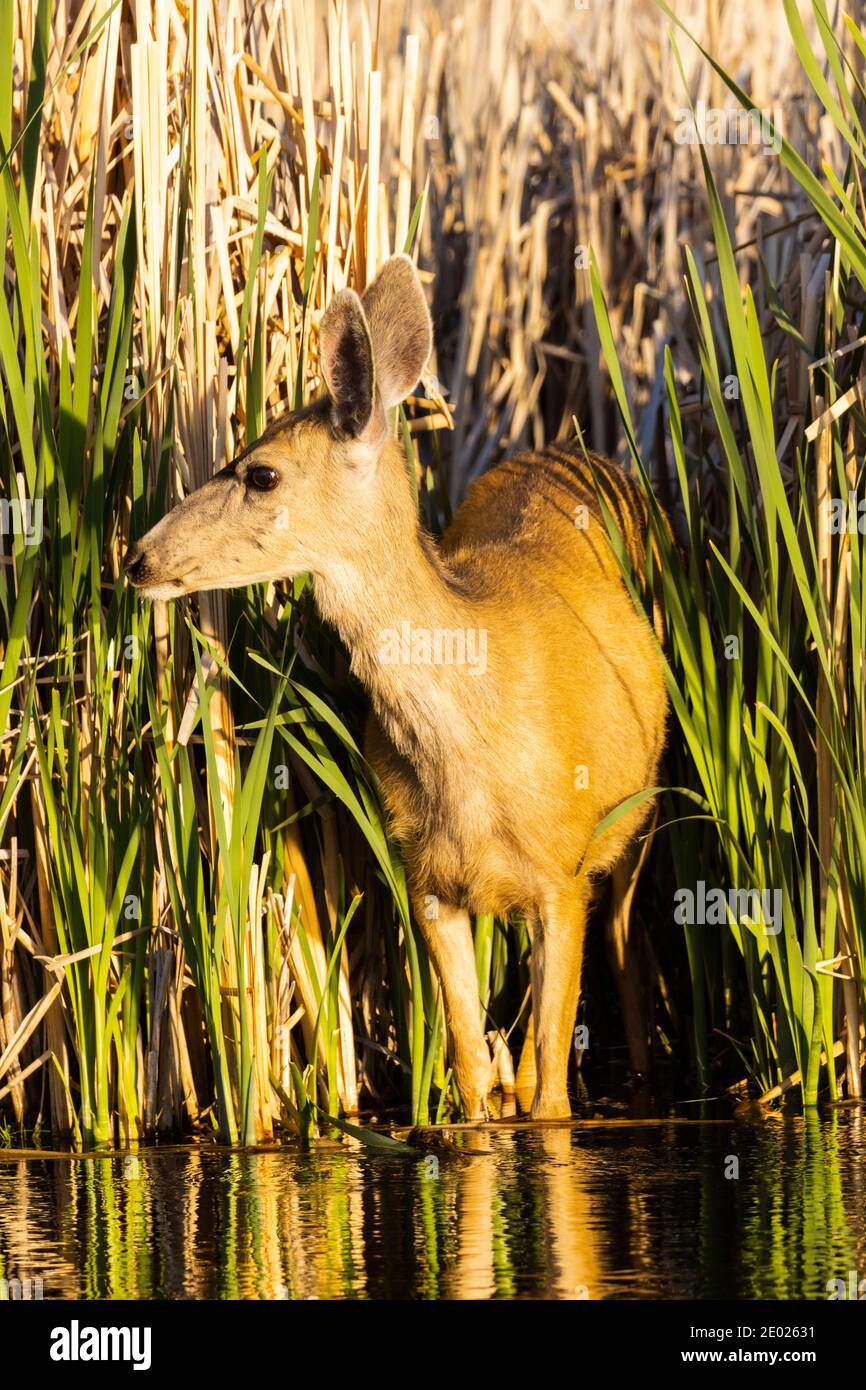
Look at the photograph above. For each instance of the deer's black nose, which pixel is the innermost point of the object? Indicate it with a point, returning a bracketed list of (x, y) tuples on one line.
[(134, 561)]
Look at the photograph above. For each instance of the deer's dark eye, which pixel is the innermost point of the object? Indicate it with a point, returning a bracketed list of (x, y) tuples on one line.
[(263, 479)]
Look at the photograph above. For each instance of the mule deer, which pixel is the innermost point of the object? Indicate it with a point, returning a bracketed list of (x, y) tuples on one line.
[(517, 694)]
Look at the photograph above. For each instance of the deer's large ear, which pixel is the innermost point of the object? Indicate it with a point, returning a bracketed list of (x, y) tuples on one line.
[(400, 328), (346, 357)]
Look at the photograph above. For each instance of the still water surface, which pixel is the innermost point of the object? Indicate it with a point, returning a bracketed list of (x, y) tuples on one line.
[(627, 1210)]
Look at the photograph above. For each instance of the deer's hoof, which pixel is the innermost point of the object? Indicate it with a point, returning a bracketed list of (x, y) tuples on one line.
[(473, 1096), (554, 1106), (476, 1108)]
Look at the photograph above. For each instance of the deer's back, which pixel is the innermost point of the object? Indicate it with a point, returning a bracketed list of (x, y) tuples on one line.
[(547, 503)]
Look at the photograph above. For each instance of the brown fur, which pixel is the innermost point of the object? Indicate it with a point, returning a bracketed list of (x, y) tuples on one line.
[(478, 770)]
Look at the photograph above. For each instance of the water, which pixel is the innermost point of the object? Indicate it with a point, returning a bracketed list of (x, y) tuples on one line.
[(601, 1210)]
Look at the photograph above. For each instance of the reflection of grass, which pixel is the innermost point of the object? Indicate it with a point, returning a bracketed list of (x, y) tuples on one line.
[(792, 1234), (111, 1222)]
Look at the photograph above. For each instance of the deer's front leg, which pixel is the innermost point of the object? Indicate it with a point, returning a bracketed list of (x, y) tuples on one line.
[(448, 935)]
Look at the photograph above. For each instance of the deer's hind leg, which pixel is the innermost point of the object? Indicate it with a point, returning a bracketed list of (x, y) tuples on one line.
[(555, 967), (627, 959), (448, 936)]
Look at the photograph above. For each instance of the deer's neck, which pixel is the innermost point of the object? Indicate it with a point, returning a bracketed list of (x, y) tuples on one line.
[(413, 633)]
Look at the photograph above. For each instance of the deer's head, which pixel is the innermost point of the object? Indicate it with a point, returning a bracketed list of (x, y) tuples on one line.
[(299, 500)]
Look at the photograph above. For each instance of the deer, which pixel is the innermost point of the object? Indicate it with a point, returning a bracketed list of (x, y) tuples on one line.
[(516, 689)]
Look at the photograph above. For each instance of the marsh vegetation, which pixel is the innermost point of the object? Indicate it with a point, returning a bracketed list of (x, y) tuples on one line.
[(204, 923)]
